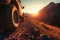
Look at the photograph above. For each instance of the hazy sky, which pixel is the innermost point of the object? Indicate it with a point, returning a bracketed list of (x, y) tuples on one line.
[(32, 6)]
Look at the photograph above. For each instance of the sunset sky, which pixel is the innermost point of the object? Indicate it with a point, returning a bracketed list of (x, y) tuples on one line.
[(32, 6)]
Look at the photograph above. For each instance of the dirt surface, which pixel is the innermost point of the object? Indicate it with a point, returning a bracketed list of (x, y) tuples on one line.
[(42, 28)]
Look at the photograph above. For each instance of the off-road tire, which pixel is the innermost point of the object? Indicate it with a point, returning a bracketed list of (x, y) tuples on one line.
[(7, 18)]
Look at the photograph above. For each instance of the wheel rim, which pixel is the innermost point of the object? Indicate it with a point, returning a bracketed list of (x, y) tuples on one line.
[(15, 17)]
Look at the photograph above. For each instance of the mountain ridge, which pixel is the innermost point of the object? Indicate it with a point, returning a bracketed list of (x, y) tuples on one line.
[(50, 14)]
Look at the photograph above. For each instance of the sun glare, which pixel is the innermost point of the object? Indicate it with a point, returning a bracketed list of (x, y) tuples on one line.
[(34, 14), (33, 11)]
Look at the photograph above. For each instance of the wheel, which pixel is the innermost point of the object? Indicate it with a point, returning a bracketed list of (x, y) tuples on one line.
[(9, 18), (15, 17), (12, 17)]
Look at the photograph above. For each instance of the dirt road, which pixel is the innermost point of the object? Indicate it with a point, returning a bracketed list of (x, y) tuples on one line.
[(42, 27)]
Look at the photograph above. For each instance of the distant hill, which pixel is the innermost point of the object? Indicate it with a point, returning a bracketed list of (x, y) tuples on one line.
[(50, 14)]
